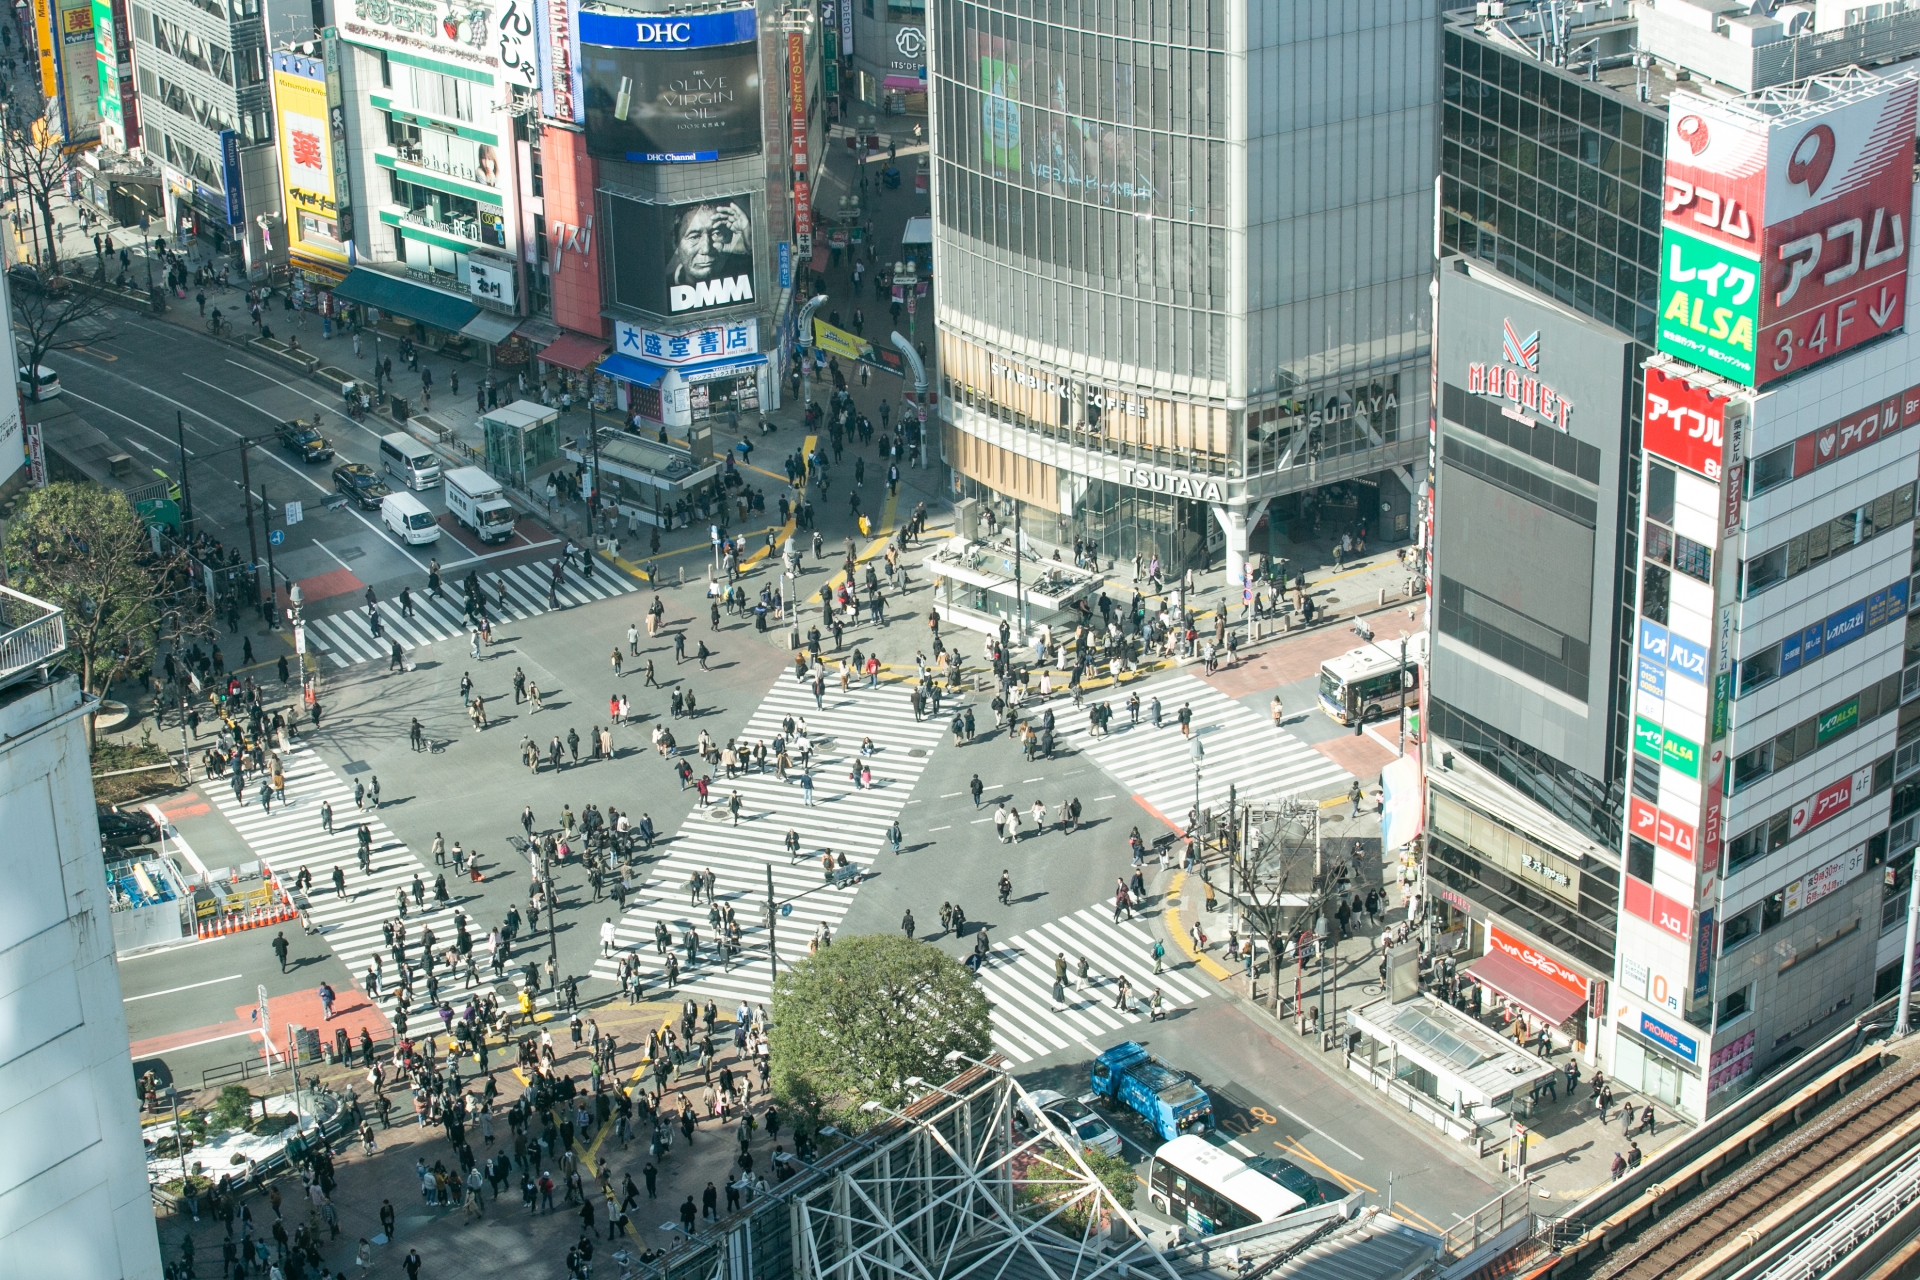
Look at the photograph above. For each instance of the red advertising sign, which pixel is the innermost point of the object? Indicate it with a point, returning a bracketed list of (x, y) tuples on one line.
[(797, 95), (1545, 965), (1643, 900), (1816, 196), (1660, 828), (802, 208), (1684, 424), (1831, 800), (1710, 827)]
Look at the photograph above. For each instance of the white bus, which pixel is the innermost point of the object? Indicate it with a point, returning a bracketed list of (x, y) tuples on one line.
[(1368, 683), (1207, 1189)]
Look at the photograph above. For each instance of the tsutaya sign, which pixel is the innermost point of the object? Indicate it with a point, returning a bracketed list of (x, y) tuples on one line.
[(1180, 486), (1515, 378), (1784, 233)]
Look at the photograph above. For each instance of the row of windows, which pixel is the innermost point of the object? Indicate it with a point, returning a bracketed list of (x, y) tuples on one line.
[(1773, 834), (1576, 798), (1582, 279), (1614, 218), (1522, 480), (1169, 261), (1197, 22), (1880, 698), (1813, 548), (1555, 448), (1586, 934), (1772, 909), (1500, 124), (1593, 108)]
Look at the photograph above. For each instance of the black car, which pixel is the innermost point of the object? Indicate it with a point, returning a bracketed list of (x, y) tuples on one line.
[(123, 828), (28, 277), (304, 439), (1292, 1177), (357, 481)]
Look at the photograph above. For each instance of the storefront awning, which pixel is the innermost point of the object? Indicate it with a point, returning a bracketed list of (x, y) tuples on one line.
[(572, 351), (714, 370), (405, 298), (490, 327), (1541, 996), (627, 369)]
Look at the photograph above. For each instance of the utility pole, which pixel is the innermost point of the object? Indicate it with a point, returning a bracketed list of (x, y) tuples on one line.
[(186, 490), (253, 547), (593, 486)]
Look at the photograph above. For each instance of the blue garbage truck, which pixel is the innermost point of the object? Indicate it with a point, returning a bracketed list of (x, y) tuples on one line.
[(1171, 1101)]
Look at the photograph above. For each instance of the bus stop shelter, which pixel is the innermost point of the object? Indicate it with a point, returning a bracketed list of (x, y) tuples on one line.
[(522, 439)]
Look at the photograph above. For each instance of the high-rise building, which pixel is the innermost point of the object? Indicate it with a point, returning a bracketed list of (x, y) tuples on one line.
[(1181, 266), (1673, 530), (74, 1195), (206, 118)]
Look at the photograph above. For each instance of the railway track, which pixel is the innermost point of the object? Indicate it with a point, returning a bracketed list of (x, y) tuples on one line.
[(1670, 1247)]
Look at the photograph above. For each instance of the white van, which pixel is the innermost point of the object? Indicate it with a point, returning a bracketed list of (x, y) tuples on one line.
[(408, 461), (42, 384), (407, 516)]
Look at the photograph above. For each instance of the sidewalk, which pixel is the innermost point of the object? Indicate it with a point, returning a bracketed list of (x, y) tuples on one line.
[(506, 1238)]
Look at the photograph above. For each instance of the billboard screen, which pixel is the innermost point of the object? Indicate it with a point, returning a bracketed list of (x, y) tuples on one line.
[(682, 259), (1783, 236), (306, 159), (677, 87)]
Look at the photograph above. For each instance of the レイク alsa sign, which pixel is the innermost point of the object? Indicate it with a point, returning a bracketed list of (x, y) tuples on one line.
[(1784, 234), (1515, 378)]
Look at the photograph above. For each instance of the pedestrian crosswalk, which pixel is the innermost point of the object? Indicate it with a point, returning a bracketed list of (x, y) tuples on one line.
[(747, 858), (347, 638), (291, 835), (1019, 973), (1241, 749)]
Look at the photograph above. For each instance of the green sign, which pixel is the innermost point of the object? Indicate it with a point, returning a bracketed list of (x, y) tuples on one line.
[(1647, 737), (1684, 756), (1709, 304), (1722, 695), (108, 59), (1837, 721), (164, 512)]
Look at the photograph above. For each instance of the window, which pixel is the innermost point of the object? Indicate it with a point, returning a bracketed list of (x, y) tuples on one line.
[(1655, 585), (1739, 928), (1762, 668), (1659, 498), (1770, 470), (448, 97), (1639, 859), (1751, 766), (1824, 541), (1735, 1003)]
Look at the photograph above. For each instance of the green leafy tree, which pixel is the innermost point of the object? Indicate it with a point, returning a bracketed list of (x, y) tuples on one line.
[(1049, 1183), (852, 1022), (83, 548)]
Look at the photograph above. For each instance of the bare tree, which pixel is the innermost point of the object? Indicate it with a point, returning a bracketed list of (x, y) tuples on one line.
[(1277, 878), (49, 318), (36, 166)]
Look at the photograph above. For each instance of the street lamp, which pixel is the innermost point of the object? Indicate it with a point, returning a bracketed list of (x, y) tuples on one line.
[(1323, 934)]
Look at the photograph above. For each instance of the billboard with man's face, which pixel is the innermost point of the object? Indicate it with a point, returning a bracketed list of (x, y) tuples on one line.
[(669, 88), (1784, 236), (682, 259)]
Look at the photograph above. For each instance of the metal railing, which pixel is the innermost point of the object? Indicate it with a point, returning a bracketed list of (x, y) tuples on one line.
[(1489, 1220), (32, 633)]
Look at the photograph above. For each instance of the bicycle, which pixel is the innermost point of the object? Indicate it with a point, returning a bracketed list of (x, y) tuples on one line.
[(217, 326)]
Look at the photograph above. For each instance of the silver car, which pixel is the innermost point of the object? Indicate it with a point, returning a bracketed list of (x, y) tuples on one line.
[(1081, 1124)]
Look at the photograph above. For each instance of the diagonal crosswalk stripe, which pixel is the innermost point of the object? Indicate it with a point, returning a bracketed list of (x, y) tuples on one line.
[(346, 638), (289, 836), (843, 818), (1019, 972), (1242, 751)]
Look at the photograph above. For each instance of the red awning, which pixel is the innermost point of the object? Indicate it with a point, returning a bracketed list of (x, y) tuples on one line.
[(572, 351), (1539, 995)]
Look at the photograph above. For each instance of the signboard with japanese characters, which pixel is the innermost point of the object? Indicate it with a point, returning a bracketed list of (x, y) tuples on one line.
[(674, 348)]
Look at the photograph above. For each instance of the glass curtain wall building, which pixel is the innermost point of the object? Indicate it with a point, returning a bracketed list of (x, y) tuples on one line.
[(1180, 263)]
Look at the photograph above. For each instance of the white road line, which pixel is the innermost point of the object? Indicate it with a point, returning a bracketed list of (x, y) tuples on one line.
[(189, 987)]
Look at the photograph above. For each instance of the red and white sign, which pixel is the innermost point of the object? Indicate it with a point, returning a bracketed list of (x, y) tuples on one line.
[(802, 209), (797, 95), (1685, 424), (1821, 196), (1515, 378), (1545, 965), (1643, 900), (1831, 801), (1660, 828)]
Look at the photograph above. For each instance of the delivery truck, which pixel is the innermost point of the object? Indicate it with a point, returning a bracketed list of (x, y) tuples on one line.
[(477, 501)]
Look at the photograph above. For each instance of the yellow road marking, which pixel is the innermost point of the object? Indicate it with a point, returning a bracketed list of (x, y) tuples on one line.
[(1171, 914)]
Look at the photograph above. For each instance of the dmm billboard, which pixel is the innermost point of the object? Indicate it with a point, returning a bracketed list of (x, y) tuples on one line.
[(1784, 236)]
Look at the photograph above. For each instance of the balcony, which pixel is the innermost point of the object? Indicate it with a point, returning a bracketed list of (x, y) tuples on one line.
[(32, 634)]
